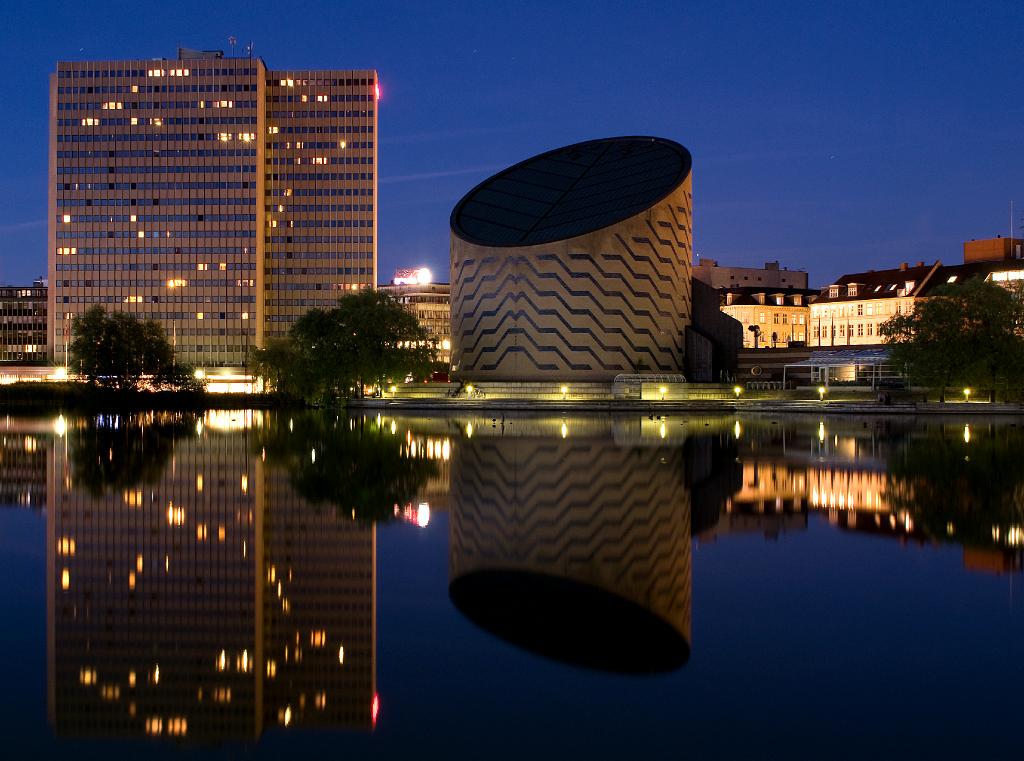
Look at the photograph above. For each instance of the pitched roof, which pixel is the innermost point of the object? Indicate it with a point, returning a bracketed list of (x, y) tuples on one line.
[(879, 284)]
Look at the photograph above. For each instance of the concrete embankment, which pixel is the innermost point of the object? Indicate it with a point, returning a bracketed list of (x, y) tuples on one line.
[(780, 407)]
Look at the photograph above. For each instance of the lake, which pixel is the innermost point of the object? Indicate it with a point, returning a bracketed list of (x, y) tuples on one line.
[(256, 584)]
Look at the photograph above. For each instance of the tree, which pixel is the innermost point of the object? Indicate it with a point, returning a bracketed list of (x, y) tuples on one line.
[(364, 469), (121, 351), (368, 339), (109, 454), (968, 334)]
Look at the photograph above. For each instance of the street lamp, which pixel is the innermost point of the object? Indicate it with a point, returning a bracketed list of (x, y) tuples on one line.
[(821, 393), (737, 390), (564, 390), (661, 391), (967, 395)]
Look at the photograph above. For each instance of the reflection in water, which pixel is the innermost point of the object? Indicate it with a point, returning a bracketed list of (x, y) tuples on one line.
[(210, 577), (195, 592), (572, 540)]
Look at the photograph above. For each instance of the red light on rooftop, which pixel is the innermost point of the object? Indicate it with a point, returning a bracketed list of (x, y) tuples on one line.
[(375, 709)]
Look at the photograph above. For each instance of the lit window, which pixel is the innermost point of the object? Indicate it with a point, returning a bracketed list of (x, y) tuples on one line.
[(246, 137), (66, 218), (273, 130), (952, 279), (199, 315), (157, 121), (223, 136), (321, 98), (90, 121), (342, 144), (245, 315)]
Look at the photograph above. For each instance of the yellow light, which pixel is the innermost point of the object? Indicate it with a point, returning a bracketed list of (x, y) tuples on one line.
[(245, 483), (736, 429), (967, 434), (662, 391), (564, 390), (61, 373), (967, 394), (199, 374), (66, 218), (565, 430), (821, 432), (394, 389), (65, 579), (821, 393), (737, 390), (661, 431), (469, 390), (469, 430), (131, 580), (341, 655), (60, 426)]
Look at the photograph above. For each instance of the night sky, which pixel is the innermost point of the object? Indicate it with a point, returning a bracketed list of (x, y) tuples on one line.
[(831, 136)]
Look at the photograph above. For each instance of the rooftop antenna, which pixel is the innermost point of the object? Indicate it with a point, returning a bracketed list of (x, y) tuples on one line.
[(249, 48), (232, 41)]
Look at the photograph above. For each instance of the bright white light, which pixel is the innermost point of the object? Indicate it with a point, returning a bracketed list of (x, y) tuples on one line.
[(423, 515)]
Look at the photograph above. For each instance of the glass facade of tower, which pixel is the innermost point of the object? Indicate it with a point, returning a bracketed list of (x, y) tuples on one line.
[(189, 191)]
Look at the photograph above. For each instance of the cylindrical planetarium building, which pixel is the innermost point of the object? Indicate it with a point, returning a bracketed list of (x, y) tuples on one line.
[(574, 265)]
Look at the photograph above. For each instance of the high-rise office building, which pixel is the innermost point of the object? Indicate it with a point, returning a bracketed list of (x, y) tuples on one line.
[(211, 193)]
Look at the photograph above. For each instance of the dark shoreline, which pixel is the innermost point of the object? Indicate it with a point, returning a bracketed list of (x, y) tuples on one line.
[(76, 396)]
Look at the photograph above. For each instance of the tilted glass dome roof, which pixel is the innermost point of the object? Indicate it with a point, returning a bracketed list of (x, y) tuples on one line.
[(571, 191)]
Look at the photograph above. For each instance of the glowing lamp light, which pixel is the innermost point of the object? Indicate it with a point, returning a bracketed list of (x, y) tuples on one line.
[(375, 709), (423, 514), (737, 391), (564, 390), (967, 434), (967, 394), (199, 374), (662, 391), (61, 373), (821, 393), (376, 91)]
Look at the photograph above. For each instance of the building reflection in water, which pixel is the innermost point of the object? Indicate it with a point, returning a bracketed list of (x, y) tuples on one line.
[(201, 597), (911, 481), (210, 577), (571, 539)]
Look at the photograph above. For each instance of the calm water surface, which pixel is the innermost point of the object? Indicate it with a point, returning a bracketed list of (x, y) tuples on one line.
[(247, 584)]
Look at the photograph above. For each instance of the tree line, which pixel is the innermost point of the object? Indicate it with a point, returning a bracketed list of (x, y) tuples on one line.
[(367, 340)]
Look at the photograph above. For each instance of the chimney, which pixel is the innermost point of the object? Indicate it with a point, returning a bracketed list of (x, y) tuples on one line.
[(903, 266), (920, 264)]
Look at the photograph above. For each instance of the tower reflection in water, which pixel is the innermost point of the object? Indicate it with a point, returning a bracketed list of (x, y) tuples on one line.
[(193, 593), (571, 539)]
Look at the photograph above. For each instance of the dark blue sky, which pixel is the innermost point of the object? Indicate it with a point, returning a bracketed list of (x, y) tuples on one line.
[(832, 136)]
